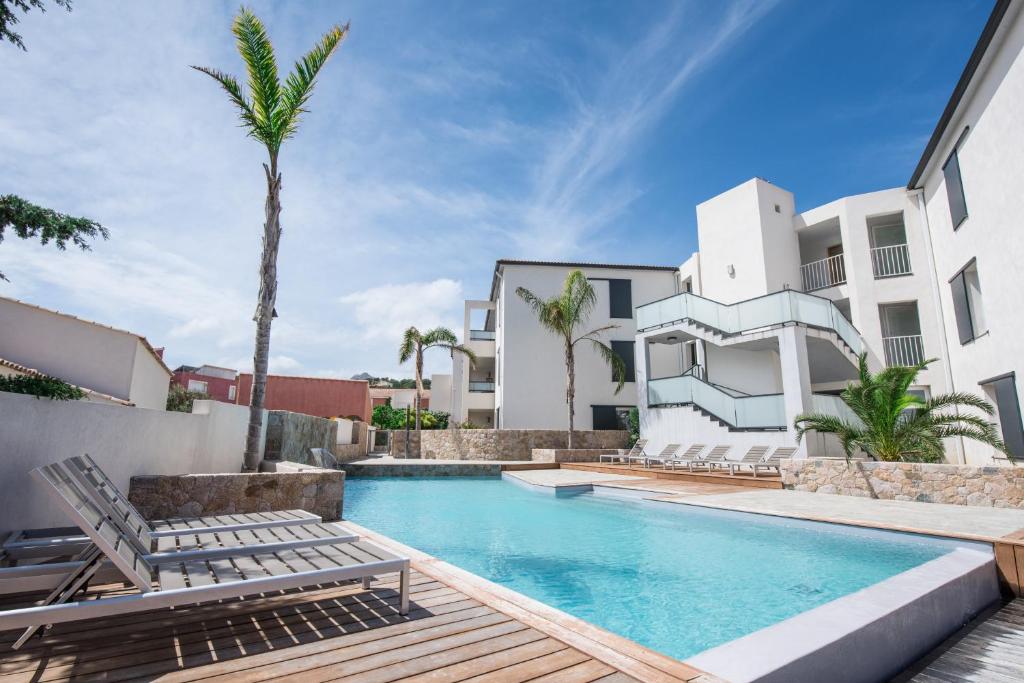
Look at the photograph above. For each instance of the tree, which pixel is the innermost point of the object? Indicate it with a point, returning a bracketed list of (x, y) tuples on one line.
[(270, 115), (30, 221), (415, 343), (8, 18), (563, 315), (180, 399), (895, 425), (41, 386)]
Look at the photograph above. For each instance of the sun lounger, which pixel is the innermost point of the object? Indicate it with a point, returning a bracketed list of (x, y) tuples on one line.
[(713, 459), (772, 461), (666, 454), (753, 457), (636, 451), (172, 580), (691, 454)]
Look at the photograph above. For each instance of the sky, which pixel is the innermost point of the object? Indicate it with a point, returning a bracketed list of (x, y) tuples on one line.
[(441, 136)]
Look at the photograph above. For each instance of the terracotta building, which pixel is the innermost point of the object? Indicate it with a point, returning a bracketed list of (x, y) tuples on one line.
[(220, 384), (311, 395)]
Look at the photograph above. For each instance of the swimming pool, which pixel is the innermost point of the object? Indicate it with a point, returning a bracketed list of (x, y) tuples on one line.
[(677, 579)]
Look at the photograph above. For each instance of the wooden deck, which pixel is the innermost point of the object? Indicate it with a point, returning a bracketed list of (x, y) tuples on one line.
[(990, 649), (337, 632), (762, 480)]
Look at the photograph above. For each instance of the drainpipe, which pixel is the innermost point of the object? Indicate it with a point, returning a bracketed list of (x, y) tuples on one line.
[(936, 296)]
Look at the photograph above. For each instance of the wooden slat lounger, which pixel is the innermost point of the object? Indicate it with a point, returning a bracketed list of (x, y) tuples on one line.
[(666, 455), (635, 452), (691, 454), (755, 456), (772, 461), (174, 580), (713, 459)]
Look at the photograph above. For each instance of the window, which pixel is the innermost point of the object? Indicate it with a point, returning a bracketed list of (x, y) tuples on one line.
[(611, 417), (620, 292), (955, 190), (231, 392), (901, 333), (197, 386), (688, 284), (1008, 409), (970, 318), (624, 350)]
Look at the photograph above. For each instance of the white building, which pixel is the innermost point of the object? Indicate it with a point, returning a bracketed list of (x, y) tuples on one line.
[(104, 361), (519, 381)]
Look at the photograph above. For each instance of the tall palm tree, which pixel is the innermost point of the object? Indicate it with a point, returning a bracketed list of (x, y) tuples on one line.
[(895, 425), (563, 315), (414, 343), (270, 114)]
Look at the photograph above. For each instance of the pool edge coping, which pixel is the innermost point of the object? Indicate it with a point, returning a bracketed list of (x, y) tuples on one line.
[(625, 655)]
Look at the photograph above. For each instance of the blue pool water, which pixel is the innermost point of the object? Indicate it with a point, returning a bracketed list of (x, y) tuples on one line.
[(674, 578)]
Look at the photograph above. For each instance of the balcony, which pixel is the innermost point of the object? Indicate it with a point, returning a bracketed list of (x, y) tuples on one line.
[(481, 387), (905, 350), (891, 261), (481, 335), (827, 272)]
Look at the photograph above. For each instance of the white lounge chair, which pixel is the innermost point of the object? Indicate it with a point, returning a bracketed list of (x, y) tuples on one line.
[(172, 581), (691, 454), (772, 461), (713, 459), (752, 458), (666, 455), (636, 451)]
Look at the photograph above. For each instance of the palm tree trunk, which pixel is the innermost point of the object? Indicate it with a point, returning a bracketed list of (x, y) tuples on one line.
[(570, 391), (419, 384), (264, 315)]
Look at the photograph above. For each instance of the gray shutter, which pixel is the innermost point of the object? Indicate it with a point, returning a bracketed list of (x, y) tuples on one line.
[(625, 350), (620, 292), (1009, 415), (604, 417), (962, 309), (955, 190)]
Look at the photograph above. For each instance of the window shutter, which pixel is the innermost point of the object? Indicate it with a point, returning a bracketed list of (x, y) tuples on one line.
[(955, 190), (604, 417), (962, 309), (1009, 415), (625, 350), (620, 292)]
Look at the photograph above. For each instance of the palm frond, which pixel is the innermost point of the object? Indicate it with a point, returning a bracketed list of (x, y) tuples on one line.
[(439, 336), (614, 360), (298, 86), (464, 350), (956, 399), (265, 89), (592, 334), (548, 311), (410, 343), (254, 126)]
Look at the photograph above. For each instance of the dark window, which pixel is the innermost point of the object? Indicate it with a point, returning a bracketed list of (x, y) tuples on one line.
[(966, 289), (688, 285), (1008, 407), (621, 294), (624, 349), (611, 417), (955, 190)]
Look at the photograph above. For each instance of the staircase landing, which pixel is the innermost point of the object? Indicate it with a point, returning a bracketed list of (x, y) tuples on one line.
[(763, 481)]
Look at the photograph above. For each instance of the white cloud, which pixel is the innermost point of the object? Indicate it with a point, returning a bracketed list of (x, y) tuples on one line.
[(383, 313)]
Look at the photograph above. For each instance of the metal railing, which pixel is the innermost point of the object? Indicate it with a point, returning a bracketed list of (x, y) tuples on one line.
[(481, 335), (482, 387), (783, 307), (765, 412), (828, 272), (904, 350), (891, 261)]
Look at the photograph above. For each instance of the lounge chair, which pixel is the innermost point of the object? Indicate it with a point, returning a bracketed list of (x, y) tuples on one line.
[(173, 535), (636, 451), (667, 454), (755, 456), (691, 454), (772, 461), (171, 581), (715, 458)]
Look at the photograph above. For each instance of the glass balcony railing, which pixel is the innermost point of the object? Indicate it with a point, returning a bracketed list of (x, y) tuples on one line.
[(482, 387), (765, 411), (788, 306), (481, 335)]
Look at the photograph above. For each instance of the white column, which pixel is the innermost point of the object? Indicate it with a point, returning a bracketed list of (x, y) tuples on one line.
[(641, 371), (796, 380)]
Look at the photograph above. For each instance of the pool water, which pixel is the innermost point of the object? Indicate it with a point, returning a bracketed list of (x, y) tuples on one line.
[(675, 578)]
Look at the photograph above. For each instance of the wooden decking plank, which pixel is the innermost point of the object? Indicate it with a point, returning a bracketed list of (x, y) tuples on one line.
[(401, 671), (584, 672), (533, 668), (491, 662)]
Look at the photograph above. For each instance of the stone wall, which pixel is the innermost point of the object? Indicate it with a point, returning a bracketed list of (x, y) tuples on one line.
[(954, 484), (510, 444), (397, 449), (575, 455), (291, 435), (312, 489)]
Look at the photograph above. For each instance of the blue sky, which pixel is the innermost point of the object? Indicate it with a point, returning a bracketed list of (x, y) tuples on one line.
[(442, 136)]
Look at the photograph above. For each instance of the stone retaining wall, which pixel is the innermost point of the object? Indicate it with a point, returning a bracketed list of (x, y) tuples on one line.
[(291, 435), (193, 495), (510, 444), (954, 484), (575, 455)]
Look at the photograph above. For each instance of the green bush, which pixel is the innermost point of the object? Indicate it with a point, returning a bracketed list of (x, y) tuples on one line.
[(634, 426), (41, 386), (179, 399)]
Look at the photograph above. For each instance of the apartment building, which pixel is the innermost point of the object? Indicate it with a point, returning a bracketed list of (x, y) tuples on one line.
[(220, 384), (518, 381)]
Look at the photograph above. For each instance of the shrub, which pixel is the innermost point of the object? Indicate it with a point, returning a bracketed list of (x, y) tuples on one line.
[(179, 399), (41, 386), (634, 426)]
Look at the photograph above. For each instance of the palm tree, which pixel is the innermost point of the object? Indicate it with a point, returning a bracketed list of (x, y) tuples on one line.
[(270, 114), (563, 315), (895, 425), (414, 343)]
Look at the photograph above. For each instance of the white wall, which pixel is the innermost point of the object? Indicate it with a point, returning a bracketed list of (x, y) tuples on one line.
[(532, 373), (991, 156), (441, 393), (150, 380), (124, 441), (753, 372)]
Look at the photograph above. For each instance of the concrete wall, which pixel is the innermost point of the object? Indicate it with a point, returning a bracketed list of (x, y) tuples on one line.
[(314, 490), (991, 155), (952, 484), (291, 435), (124, 441), (530, 367), (508, 444), (91, 356), (441, 393)]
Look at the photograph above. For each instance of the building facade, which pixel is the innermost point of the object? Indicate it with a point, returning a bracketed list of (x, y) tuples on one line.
[(220, 384), (317, 396)]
